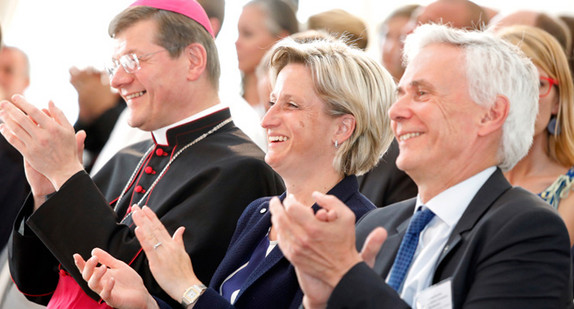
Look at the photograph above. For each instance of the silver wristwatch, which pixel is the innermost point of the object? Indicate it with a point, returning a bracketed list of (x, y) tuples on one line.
[(191, 295)]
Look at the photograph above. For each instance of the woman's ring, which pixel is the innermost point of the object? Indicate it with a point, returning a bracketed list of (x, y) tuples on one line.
[(157, 245)]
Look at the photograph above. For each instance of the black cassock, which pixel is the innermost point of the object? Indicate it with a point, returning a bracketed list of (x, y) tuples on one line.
[(205, 189)]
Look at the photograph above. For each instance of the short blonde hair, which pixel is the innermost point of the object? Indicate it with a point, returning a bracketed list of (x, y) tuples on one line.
[(349, 82), (547, 53)]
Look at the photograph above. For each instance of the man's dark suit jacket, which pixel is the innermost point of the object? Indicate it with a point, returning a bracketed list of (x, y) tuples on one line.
[(508, 250)]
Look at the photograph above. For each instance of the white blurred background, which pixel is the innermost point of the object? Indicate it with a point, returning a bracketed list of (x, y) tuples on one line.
[(59, 34)]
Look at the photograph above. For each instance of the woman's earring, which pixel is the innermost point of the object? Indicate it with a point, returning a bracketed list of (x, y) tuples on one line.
[(553, 127), (336, 144)]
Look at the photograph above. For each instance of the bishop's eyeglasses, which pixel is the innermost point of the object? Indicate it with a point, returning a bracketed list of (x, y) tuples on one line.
[(130, 63)]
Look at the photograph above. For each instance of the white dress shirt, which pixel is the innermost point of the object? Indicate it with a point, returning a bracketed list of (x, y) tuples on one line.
[(448, 207)]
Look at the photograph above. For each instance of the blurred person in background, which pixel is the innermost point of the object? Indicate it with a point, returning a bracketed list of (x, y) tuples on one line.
[(548, 168), (260, 25), (392, 32), (14, 79), (244, 116), (461, 14), (569, 21), (549, 23), (340, 23)]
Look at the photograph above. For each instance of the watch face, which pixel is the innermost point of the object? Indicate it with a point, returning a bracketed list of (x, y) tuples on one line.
[(191, 295)]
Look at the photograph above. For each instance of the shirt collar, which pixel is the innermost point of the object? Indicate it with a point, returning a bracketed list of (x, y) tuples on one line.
[(450, 204), (160, 135)]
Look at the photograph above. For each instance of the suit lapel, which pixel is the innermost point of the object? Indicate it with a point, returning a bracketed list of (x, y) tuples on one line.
[(271, 260), (492, 189), (241, 251), (384, 262)]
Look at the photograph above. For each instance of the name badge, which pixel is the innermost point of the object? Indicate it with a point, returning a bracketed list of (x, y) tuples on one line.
[(438, 296)]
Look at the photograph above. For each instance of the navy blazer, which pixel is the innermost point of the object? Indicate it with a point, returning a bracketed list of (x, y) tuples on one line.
[(508, 250), (273, 284)]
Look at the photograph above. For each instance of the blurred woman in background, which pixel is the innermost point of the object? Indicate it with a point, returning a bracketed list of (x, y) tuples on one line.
[(261, 24), (548, 169)]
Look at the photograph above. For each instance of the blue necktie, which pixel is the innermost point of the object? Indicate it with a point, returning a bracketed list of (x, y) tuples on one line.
[(408, 247)]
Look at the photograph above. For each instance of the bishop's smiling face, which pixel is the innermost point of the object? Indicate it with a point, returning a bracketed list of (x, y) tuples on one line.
[(152, 93), (434, 119), (300, 133)]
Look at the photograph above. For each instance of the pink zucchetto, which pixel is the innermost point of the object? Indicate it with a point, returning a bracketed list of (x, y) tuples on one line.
[(189, 8)]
